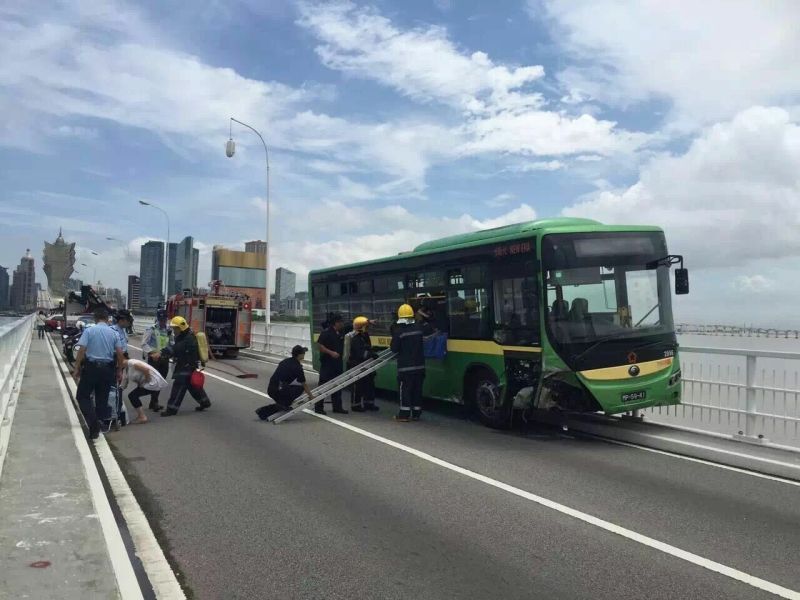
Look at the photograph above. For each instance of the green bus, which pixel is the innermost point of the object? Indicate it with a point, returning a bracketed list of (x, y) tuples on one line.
[(557, 314)]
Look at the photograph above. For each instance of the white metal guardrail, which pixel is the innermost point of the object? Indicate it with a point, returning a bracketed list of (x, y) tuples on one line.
[(751, 395), (281, 339), (15, 339)]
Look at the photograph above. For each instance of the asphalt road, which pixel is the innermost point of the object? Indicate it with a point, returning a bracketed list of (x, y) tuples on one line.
[(310, 509)]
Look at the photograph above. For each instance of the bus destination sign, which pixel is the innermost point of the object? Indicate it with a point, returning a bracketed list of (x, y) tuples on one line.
[(514, 249)]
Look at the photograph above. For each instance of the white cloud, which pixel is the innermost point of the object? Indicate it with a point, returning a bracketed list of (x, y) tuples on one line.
[(500, 110), (500, 200), (731, 198), (539, 165), (754, 283), (710, 59), (422, 63), (76, 131), (80, 62)]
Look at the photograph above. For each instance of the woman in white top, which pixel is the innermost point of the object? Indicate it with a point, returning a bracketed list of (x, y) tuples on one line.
[(147, 380)]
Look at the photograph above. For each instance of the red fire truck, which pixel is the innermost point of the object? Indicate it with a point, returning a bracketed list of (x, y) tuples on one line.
[(225, 316)]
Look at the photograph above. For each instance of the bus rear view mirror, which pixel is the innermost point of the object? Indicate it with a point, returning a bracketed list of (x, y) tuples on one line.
[(681, 281)]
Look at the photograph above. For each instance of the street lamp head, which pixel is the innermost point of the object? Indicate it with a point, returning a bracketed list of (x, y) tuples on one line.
[(143, 203), (230, 148)]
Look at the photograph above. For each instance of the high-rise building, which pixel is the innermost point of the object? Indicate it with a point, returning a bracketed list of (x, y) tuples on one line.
[(172, 288), (59, 260), (257, 247), (284, 283), (4, 289), (151, 274), (244, 272), (134, 287), (23, 288), (195, 263), (185, 267)]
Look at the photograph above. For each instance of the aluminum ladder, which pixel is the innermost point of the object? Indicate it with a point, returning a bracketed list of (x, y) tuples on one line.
[(344, 380)]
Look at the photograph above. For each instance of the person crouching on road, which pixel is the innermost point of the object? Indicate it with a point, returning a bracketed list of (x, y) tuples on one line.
[(100, 350), (187, 358), (147, 380), (287, 383), (363, 390), (331, 346), (407, 344), (155, 339)]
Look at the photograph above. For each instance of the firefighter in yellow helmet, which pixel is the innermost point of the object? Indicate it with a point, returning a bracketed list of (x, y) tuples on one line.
[(363, 391), (186, 354), (407, 343)]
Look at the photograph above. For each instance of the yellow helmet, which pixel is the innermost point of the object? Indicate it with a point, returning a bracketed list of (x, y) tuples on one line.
[(360, 322), (405, 312), (180, 323)]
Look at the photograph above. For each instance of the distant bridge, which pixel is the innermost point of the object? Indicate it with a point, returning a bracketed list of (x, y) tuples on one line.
[(736, 330)]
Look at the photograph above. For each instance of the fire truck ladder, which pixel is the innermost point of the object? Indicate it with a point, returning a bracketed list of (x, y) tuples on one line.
[(344, 380)]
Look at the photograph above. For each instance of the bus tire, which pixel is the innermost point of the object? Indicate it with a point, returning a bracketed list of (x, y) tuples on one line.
[(486, 401), (232, 353)]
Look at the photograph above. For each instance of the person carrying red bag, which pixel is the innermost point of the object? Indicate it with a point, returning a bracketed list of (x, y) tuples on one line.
[(186, 376)]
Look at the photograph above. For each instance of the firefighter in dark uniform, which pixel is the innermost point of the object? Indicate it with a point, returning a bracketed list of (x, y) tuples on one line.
[(331, 347), (407, 343), (363, 391), (187, 358), (287, 383)]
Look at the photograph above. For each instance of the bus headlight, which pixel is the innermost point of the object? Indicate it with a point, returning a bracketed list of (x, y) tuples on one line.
[(675, 379)]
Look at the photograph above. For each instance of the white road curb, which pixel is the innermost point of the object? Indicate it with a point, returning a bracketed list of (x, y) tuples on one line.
[(162, 577)]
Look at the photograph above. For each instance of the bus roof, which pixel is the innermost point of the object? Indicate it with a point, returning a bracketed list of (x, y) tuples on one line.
[(497, 234)]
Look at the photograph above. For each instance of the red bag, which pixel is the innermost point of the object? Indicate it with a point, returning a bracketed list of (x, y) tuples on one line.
[(197, 380)]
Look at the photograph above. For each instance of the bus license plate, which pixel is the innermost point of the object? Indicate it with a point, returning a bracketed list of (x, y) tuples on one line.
[(634, 396)]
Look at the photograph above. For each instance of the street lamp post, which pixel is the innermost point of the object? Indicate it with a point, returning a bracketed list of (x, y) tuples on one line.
[(94, 271), (230, 149), (166, 250)]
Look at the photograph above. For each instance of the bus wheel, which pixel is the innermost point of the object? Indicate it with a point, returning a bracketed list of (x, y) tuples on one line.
[(232, 353), (487, 401)]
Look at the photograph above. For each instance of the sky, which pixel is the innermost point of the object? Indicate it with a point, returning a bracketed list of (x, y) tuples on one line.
[(390, 123)]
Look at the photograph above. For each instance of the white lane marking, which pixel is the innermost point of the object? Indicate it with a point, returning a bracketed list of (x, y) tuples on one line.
[(162, 577), (127, 583), (695, 460), (690, 557), (669, 549)]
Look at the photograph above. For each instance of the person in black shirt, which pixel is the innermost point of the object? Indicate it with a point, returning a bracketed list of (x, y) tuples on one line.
[(287, 383), (331, 347)]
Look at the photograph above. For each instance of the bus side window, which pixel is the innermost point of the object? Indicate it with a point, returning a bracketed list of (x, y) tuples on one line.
[(468, 310), (516, 311)]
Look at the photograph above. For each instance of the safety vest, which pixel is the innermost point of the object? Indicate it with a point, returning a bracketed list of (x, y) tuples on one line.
[(160, 337)]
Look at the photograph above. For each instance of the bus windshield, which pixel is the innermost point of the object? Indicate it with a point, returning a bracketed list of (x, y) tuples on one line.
[(598, 286)]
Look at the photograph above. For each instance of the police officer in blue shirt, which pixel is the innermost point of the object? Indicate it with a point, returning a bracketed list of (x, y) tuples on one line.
[(95, 368), (111, 414), (124, 322)]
